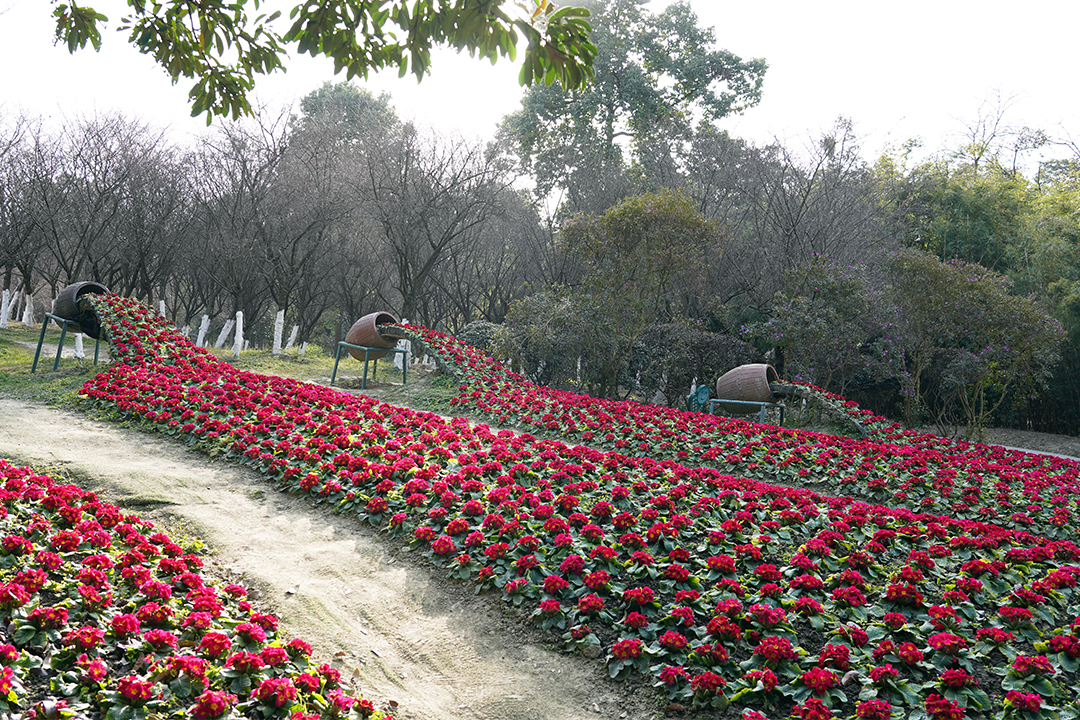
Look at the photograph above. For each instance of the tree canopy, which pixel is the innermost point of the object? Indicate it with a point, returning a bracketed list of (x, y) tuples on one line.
[(223, 44), (656, 76), (969, 340), (634, 259)]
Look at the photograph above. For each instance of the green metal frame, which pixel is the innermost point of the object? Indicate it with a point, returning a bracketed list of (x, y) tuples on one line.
[(751, 403), (367, 352), (63, 323)]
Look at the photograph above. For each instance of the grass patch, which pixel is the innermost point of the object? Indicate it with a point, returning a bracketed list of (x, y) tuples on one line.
[(314, 363), (54, 387)]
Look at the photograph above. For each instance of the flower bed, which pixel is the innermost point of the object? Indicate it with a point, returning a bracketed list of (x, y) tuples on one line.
[(901, 468), (105, 617), (716, 588)]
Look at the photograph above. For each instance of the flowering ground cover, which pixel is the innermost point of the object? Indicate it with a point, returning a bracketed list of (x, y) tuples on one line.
[(722, 591), (902, 468), (103, 616)]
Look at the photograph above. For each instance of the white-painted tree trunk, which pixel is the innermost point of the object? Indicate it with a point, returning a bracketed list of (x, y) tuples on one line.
[(185, 330), (292, 337), (224, 334), (204, 327), (303, 348), (238, 343), (161, 308), (16, 300), (28, 310), (5, 309), (79, 347), (279, 327), (399, 359)]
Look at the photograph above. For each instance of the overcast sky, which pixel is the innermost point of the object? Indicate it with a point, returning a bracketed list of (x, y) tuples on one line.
[(923, 69)]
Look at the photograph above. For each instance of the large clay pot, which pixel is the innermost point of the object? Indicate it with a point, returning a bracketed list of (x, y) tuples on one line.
[(66, 305), (749, 383), (365, 331)]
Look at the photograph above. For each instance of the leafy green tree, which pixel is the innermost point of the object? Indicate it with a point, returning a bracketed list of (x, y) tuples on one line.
[(969, 341), (831, 328), (348, 112), (635, 258), (655, 77), (1045, 263), (669, 357), (222, 48), (556, 336), (961, 214)]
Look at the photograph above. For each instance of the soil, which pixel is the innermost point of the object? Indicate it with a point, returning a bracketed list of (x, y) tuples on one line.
[(396, 627), (1063, 445)]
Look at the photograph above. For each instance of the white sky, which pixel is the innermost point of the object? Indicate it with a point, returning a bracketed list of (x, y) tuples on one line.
[(898, 70)]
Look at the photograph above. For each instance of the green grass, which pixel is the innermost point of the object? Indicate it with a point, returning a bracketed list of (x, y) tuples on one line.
[(55, 387)]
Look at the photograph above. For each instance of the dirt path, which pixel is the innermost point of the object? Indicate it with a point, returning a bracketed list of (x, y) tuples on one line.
[(397, 629)]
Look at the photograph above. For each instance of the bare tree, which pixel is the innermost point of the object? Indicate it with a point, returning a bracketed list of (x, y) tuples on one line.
[(781, 210), (429, 198), (234, 173)]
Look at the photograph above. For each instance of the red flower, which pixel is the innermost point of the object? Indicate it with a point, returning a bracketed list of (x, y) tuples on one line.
[(765, 676), (550, 606), (1028, 702), (672, 640), (721, 563), (707, 682), (339, 704), (908, 653), (812, 709), (93, 670), (639, 596), (47, 618), (807, 606), (1027, 665), (244, 662), (947, 643), (807, 583), (903, 594), (526, 563), (84, 638), (160, 639), (837, 656), (1068, 644), (850, 596), (215, 644), (277, 692), (1014, 616), (626, 649), (211, 704), (941, 708), (883, 673), (673, 675), (134, 691), (298, 648), (307, 682), (894, 620), (274, 655), (819, 680), (874, 710), (956, 679), (775, 649)]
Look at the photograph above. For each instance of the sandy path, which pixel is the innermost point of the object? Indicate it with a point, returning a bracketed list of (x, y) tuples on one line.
[(398, 630)]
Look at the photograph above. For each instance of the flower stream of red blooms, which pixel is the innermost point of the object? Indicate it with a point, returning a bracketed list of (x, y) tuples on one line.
[(658, 547), (128, 624)]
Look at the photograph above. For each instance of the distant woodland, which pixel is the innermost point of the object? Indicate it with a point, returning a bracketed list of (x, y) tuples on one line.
[(609, 240)]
